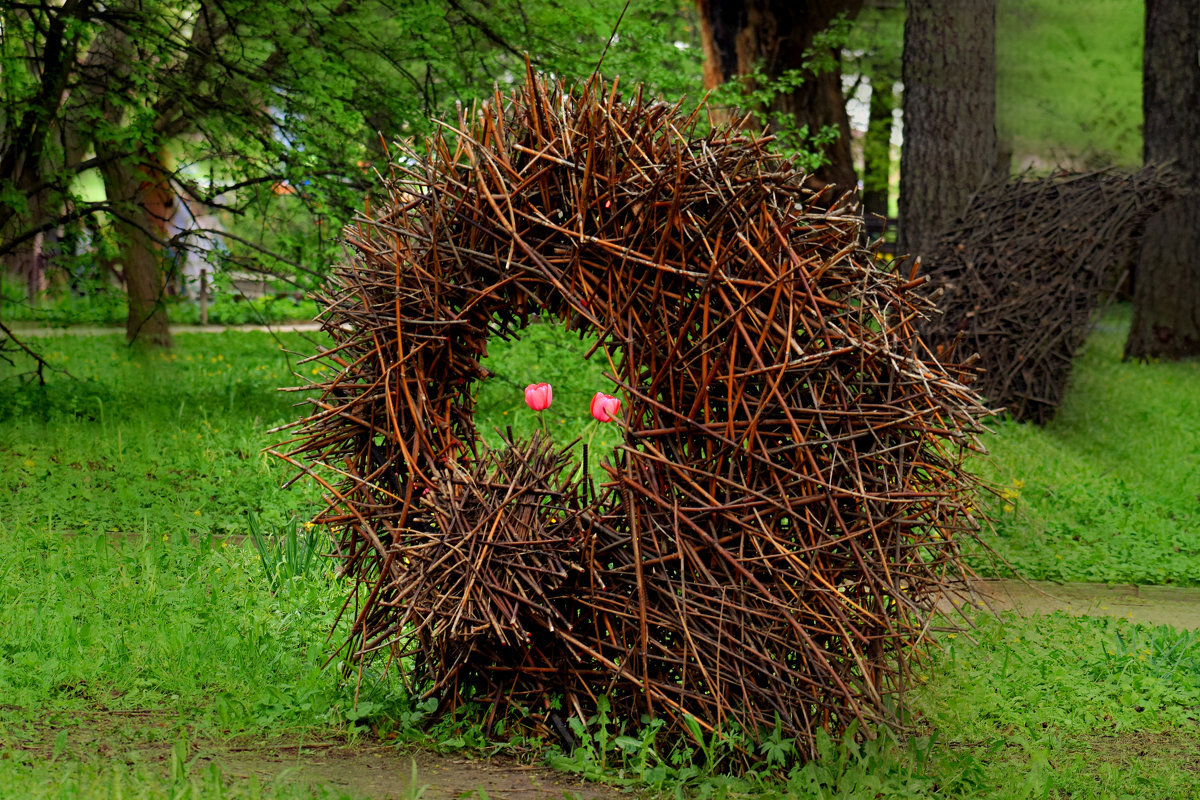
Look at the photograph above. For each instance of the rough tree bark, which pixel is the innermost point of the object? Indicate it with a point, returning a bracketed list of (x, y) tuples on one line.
[(777, 35), (949, 113), (1166, 297), (26, 260), (138, 191), (136, 183)]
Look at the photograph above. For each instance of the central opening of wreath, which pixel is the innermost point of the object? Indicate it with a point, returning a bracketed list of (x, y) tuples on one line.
[(567, 367)]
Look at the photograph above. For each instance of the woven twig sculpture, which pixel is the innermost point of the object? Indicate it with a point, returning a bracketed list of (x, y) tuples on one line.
[(780, 519), (1019, 278)]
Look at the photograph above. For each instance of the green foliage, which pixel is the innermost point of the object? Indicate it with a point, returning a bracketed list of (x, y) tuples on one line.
[(300, 107), (874, 43), (230, 309), (272, 114), (1106, 491), (657, 43), (108, 307), (696, 765), (100, 305), (874, 52), (756, 92)]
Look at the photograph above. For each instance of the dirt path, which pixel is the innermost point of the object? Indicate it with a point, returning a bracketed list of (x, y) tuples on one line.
[(1153, 605), (363, 768), (381, 772), (35, 331)]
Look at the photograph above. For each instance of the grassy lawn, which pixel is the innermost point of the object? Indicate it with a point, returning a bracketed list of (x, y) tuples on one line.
[(1069, 85), (132, 605), (1107, 492)]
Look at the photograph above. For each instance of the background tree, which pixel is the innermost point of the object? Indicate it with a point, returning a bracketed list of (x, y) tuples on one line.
[(266, 113), (789, 68), (875, 49), (1166, 299), (145, 93), (949, 147)]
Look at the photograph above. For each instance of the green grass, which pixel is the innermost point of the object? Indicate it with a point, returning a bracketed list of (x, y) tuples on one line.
[(1062, 706), (126, 577), (130, 585), (69, 779), (1055, 707), (1108, 490), (107, 305), (126, 583), (162, 442), (1068, 83)]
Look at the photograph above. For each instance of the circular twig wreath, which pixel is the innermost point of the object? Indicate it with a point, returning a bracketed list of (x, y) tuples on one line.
[(780, 518)]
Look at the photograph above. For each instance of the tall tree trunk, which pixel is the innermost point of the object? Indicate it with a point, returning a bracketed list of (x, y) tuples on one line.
[(25, 260), (137, 192), (777, 36), (135, 183), (877, 147), (949, 113), (1166, 296)]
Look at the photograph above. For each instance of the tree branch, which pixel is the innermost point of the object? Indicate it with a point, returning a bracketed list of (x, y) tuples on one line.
[(42, 363)]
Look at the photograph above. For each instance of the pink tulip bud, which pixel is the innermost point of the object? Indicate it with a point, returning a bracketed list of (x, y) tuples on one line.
[(539, 396), (605, 407)]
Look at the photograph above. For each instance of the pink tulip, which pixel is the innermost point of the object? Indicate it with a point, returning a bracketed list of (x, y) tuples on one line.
[(605, 407), (539, 396)]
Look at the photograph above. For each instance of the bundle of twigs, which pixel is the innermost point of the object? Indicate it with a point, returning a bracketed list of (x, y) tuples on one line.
[(1020, 276), (781, 517)]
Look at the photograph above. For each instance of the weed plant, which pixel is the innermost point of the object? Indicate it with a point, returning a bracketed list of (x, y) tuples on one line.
[(1056, 707), (288, 553)]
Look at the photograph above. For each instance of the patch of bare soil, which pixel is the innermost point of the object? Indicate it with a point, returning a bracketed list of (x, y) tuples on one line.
[(1179, 749), (27, 330), (1154, 605), (366, 768), (382, 772)]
